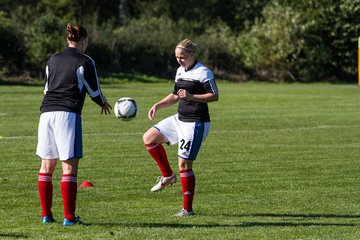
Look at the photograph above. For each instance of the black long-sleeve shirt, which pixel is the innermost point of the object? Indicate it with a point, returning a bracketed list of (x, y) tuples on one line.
[(69, 76)]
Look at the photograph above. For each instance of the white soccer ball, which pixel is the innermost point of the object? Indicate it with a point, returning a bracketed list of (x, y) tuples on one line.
[(125, 109)]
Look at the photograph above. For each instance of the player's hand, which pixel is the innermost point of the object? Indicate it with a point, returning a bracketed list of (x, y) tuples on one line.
[(106, 108), (152, 112), (183, 94)]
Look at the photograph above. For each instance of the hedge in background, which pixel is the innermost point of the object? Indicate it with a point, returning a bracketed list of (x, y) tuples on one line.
[(272, 40), (12, 49)]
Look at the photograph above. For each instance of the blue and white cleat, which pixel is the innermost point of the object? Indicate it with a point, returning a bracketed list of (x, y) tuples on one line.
[(77, 221), (46, 220)]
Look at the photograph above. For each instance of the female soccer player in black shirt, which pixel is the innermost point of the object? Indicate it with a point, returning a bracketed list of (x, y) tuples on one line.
[(70, 74), (194, 87)]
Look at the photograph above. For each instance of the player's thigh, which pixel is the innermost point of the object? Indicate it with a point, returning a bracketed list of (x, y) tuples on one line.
[(191, 137), (46, 146), (168, 127), (68, 135), (154, 136)]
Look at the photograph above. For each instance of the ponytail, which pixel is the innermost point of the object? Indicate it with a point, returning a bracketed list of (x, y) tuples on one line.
[(76, 33)]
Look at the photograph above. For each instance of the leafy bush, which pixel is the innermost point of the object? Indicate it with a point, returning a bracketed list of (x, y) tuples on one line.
[(147, 45), (46, 36), (272, 40), (330, 41), (303, 41), (272, 45), (102, 44), (218, 50), (11, 47)]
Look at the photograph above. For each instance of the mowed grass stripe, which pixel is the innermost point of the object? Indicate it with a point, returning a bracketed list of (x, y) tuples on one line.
[(213, 132)]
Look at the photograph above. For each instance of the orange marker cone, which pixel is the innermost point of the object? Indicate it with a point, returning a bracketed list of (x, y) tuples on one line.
[(86, 184)]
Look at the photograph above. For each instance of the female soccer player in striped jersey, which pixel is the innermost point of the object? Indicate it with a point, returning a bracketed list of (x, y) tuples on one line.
[(70, 74), (194, 87)]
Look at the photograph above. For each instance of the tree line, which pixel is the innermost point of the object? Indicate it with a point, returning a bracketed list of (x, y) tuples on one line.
[(267, 40)]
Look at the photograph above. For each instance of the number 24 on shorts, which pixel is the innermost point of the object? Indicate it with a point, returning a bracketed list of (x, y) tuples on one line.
[(185, 145)]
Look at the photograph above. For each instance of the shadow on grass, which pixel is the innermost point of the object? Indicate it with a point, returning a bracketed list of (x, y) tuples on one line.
[(287, 220), (220, 225), (3, 235), (303, 216)]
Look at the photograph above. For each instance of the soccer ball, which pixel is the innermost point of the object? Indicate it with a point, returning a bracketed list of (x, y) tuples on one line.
[(125, 109)]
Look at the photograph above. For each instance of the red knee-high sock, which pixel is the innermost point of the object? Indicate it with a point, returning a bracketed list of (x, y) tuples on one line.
[(158, 153), (45, 187), (187, 178), (68, 191)]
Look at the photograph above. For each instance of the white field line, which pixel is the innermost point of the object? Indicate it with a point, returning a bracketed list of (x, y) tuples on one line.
[(84, 134), (211, 132)]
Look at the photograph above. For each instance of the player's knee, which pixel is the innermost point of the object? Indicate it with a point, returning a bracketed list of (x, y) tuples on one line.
[(150, 137), (184, 168), (47, 166), (146, 138), (70, 166), (46, 170), (185, 165)]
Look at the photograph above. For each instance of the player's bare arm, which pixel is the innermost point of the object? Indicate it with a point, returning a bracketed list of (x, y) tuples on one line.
[(165, 102)]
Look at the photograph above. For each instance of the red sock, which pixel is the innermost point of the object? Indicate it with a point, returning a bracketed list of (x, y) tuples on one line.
[(68, 191), (187, 178), (45, 187), (158, 153)]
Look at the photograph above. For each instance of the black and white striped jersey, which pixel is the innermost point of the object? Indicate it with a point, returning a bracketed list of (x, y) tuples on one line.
[(69, 76), (197, 79)]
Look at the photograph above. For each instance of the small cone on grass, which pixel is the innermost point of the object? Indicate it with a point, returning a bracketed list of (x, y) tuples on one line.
[(86, 184)]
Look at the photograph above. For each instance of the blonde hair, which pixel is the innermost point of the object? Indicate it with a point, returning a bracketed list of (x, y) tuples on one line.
[(187, 45)]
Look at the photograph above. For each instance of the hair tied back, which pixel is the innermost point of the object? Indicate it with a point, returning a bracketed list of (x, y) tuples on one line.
[(75, 33)]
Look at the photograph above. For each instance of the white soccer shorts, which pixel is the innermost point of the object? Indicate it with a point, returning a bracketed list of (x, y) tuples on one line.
[(188, 135), (59, 136)]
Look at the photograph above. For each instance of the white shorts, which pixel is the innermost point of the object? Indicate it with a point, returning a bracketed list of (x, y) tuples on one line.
[(59, 136), (188, 135)]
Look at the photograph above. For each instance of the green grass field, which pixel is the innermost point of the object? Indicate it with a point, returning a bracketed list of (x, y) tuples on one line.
[(280, 162)]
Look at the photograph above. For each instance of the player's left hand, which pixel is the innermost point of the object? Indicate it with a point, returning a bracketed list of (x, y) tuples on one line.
[(106, 108), (152, 112)]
